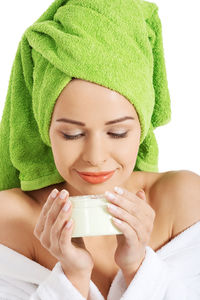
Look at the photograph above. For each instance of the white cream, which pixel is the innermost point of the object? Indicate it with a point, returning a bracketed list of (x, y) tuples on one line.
[(91, 217)]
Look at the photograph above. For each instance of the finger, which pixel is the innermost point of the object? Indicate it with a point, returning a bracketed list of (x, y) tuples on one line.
[(131, 207), (65, 237), (61, 221), (145, 216), (129, 233), (57, 204), (51, 217), (131, 196), (41, 221), (50, 200), (132, 221), (131, 203)]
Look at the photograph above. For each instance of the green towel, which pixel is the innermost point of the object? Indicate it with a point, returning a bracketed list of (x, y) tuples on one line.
[(117, 44)]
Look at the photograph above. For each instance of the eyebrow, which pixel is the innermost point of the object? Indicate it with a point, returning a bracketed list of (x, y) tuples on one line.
[(107, 123)]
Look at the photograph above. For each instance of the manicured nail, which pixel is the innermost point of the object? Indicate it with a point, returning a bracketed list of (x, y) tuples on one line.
[(67, 206), (54, 193), (63, 194), (69, 223), (118, 190), (112, 207), (141, 192), (110, 195), (117, 220)]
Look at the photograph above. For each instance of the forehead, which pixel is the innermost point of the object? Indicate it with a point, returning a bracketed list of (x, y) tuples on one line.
[(81, 95)]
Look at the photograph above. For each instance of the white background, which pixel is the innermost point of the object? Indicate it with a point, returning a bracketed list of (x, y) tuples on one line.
[(178, 141)]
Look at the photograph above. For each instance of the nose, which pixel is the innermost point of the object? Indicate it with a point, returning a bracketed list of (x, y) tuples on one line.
[(95, 151)]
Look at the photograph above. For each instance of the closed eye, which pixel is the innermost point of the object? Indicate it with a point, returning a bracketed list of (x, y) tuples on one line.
[(114, 135)]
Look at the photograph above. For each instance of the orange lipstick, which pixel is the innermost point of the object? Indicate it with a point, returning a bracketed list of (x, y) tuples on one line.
[(94, 179)]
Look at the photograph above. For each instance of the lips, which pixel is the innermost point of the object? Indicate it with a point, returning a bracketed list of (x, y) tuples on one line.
[(96, 178), (96, 173)]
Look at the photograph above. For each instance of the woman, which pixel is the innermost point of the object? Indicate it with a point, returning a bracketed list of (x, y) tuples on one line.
[(83, 137)]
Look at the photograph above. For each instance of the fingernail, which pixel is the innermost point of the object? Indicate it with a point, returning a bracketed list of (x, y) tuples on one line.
[(116, 220), (69, 223), (118, 190), (63, 194), (54, 193), (67, 206), (112, 207), (141, 192), (110, 195)]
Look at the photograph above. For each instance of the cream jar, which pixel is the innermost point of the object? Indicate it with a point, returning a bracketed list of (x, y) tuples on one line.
[(91, 217)]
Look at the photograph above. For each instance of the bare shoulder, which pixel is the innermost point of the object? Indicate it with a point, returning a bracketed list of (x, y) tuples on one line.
[(179, 193), (17, 212)]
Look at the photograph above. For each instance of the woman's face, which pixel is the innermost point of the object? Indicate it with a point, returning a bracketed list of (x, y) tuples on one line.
[(96, 143)]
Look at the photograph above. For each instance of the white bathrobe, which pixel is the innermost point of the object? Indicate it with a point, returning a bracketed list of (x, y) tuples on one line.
[(170, 273)]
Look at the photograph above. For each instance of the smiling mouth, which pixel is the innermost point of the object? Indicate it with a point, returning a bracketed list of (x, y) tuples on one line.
[(96, 173), (94, 179)]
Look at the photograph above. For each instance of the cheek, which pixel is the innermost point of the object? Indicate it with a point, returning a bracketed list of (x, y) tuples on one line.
[(130, 149), (129, 152), (58, 151), (62, 161), (64, 156)]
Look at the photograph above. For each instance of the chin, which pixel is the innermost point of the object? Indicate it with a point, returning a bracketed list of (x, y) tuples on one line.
[(93, 189)]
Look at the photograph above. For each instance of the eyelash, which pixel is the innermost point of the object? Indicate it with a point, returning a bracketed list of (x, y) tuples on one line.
[(114, 135)]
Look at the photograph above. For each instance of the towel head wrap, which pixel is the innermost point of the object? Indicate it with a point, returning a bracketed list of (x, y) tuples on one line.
[(117, 44)]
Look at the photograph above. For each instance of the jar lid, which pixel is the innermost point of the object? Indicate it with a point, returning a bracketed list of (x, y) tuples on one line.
[(88, 201)]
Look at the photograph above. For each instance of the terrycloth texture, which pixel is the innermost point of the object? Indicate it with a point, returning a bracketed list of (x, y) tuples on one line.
[(116, 44), (170, 273)]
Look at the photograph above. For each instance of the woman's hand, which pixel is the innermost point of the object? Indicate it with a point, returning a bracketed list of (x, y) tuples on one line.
[(137, 218), (56, 238)]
